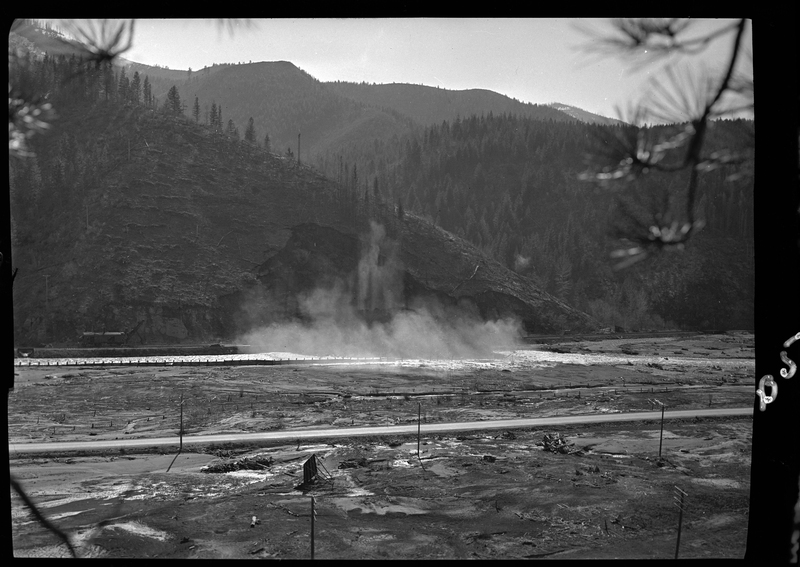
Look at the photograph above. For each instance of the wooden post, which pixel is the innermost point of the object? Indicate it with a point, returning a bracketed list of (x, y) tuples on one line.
[(313, 515), (419, 425), (661, 437)]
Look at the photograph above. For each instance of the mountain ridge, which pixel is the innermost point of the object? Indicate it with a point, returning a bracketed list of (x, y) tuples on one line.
[(430, 105), (177, 231), (586, 116)]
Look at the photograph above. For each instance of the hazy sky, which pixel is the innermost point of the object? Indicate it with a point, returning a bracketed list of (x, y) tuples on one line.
[(532, 60)]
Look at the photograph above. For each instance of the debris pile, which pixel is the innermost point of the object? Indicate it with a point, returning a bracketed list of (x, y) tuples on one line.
[(353, 463), (256, 463), (557, 443), (589, 469)]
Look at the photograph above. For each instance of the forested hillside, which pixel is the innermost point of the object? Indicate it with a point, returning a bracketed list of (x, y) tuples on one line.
[(130, 211), (511, 186), (132, 145)]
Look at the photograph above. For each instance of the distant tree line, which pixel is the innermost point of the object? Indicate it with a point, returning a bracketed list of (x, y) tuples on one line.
[(511, 186)]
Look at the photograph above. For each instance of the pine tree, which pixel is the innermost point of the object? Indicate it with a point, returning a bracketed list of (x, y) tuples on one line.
[(196, 110), (135, 90), (266, 142), (93, 75), (123, 87), (563, 277), (147, 92), (213, 122), (233, 131), (108, 81), (250, 132), (173, 103)]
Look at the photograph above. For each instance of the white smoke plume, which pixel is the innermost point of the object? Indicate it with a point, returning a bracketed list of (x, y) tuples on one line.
[(334, 322), (521, 262), (380, 273)]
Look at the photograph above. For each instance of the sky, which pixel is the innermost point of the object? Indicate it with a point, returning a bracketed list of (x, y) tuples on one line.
[(533, 60)]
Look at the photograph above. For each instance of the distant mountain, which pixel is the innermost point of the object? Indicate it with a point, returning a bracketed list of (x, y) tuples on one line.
[(161, 78), (431, 105), (584, 115), (332, 118), (285, 101)]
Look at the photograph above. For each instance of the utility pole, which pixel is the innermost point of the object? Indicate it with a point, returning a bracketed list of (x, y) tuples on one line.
[(419, 426), (661, 436), (180, 432), (679, 503)]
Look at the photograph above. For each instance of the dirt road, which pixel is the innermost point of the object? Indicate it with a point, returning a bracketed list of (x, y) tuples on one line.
[(339, 432)]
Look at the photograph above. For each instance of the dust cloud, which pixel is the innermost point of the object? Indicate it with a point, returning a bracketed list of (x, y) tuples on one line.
[(521, 262), (368, 316)]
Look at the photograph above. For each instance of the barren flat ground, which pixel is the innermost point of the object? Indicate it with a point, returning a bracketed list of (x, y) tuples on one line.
[(488, 494)]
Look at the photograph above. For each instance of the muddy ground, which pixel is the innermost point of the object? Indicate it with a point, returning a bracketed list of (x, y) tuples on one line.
[(495, 494)]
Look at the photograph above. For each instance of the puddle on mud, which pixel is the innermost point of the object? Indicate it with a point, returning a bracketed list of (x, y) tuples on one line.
[(365, 506), (65, 515), (718, 482), (252, 476), (655, 434), (141, 529), (77, 496), (441, 469)]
